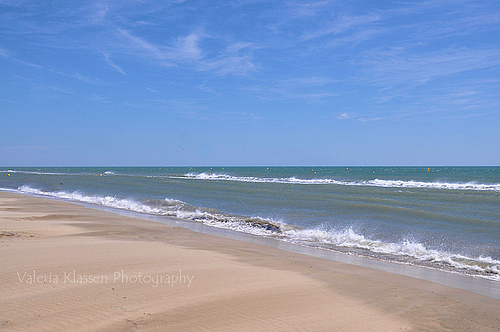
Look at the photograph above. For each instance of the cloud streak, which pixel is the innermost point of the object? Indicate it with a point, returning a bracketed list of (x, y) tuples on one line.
[(341, 25), (186, 50), (108, 60), (309, 89), (397, 66)]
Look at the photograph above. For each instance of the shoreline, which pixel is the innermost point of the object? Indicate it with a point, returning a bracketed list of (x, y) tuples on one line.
[(463, 281), (248, 285), (471, 283)]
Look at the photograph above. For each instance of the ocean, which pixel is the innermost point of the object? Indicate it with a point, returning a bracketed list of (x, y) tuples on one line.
[(445, 218)]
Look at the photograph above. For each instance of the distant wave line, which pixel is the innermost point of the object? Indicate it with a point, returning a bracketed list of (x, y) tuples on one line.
[(371, 183), (292, 180)]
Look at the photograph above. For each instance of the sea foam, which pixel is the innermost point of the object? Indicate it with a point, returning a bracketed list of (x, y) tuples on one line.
[(328, 181), (408, 251)]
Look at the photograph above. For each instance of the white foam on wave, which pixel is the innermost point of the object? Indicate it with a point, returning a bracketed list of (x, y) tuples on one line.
[(435, 185), (57, 173), (370, 183), (109, 201), (171, 207), (350, 239), (34, 172), (226, 177)]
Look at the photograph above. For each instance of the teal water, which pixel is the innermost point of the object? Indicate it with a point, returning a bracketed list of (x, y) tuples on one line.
[(446, 218)]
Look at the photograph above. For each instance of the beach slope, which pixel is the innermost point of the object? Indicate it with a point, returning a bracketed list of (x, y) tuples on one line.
[(67, 267)]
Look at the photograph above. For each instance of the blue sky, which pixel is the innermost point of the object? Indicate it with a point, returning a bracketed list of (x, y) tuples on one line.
[(249, 82)]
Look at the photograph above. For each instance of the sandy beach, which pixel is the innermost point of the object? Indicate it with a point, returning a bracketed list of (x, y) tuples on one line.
[(67, 267)]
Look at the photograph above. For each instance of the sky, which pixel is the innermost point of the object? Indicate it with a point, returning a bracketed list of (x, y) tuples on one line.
[(249, 82)]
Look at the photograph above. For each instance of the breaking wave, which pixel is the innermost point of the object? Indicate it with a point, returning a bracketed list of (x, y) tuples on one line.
[(371, 183), (407, 251), (168, 207), (33, 172)]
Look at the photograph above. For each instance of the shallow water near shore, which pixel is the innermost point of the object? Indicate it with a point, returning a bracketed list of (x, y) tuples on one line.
[(477, 285), (444, 218)]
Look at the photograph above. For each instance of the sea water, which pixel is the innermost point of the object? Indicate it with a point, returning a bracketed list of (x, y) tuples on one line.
[(447, 218)]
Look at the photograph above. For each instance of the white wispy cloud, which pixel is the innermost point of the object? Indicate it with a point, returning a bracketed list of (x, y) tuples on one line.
[(307, 81), (99, 99), (173, 105), (341, 25), (107, 57), (226, 64), (236, 115), (186, 50), (235, 59), (188, 46), (77, 76), (26, 63), (10, 56), (362, 118), (397, 66), (307, 9), (183, 49), (142, 46), (309, 89), (152, 90), (97, 12), (344, 116), (461, 98), (473, 115), (205, 88)]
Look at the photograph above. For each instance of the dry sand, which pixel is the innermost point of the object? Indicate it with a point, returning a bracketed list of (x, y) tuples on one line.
[(67, 267)]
